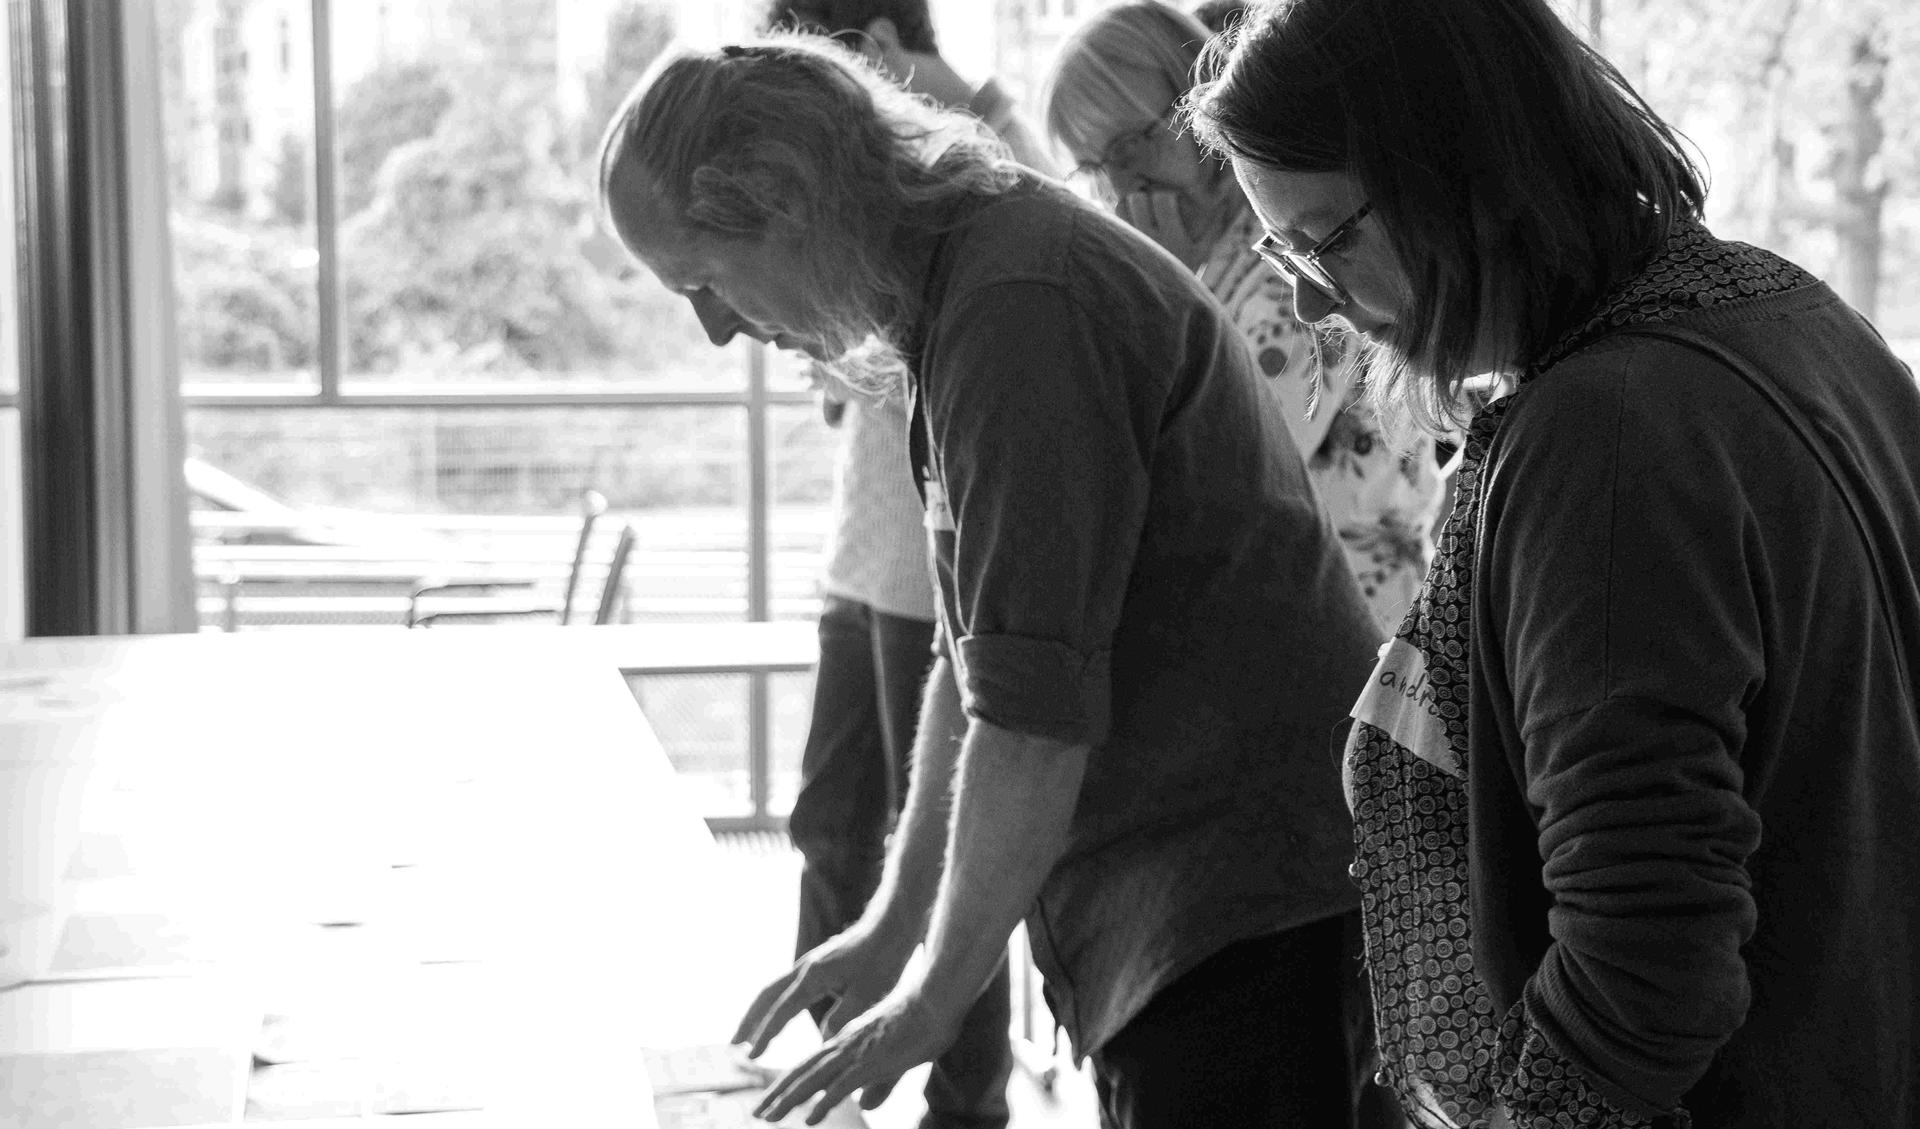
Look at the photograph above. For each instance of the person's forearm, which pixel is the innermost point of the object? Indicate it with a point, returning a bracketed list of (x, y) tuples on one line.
[(1644, 836), (1013, 804), (917, 853)]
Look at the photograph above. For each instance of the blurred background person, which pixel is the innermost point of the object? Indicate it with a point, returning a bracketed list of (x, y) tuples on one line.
[(1112, 102), (1217, 14), (1634, 787), (877, 615)]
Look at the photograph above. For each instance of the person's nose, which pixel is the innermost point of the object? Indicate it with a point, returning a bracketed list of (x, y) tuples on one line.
[(1310, 303), (716, 317)]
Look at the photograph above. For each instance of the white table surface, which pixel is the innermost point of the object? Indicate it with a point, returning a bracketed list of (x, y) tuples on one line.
[(323, 824)]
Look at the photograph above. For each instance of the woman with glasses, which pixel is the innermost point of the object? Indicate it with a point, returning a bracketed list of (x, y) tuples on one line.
[(1111, 104), (1634, 788)]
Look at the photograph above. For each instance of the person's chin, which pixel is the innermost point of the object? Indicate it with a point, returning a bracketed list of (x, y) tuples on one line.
[(791, 344)]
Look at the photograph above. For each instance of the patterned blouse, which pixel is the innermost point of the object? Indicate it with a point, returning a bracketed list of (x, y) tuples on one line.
[(1450, 1059), (1383, 501)]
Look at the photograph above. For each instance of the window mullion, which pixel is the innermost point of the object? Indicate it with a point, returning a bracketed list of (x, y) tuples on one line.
[(759, 487), (759, 578), (326, 205)]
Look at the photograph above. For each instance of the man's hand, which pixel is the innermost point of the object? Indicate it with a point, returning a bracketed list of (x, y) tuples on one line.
[(855, 969), (901, 1032)]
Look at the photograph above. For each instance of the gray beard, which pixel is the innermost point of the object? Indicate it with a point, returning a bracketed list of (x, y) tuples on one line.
[(875, 368)]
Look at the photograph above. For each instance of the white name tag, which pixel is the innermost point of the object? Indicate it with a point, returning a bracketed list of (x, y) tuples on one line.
[(1401, 702), (938, 517)]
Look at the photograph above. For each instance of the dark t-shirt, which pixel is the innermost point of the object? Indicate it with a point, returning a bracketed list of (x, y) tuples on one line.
[(1130, 556)]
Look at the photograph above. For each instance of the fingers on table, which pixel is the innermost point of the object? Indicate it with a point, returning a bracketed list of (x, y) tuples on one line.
[(776, 1006), (757, 1010), (832, 1072)]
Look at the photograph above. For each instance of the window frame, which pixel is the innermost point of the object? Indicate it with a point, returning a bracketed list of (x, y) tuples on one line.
[(755, 398)]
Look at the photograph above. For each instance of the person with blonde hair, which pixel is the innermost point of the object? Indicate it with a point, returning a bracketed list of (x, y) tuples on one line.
[(1634, 786), (1146, 625), (1112, 102)]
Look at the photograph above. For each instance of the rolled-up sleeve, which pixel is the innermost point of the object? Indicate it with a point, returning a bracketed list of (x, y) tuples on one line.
[(1034, 412), (1036, 686)]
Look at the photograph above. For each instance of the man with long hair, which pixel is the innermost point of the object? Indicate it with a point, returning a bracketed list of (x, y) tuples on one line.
[(877, 618), (1147, 626)]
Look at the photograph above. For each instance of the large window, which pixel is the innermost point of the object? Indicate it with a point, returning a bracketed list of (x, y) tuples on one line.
[(407, 350), (403, 333), (398, 313)]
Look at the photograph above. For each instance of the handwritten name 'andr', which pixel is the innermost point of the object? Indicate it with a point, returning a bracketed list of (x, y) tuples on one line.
[(1417, 690)]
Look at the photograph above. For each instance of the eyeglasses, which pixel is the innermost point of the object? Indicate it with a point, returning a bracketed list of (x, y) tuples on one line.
[(1123, 151), (1305, 266)]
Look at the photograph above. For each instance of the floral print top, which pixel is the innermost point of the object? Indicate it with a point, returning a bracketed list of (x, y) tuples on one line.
[(1383, 501)]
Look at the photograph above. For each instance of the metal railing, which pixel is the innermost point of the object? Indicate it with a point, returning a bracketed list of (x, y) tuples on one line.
[(246, 586)]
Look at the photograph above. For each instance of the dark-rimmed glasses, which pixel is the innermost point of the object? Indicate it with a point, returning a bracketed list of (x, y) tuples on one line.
[(1305, 266)]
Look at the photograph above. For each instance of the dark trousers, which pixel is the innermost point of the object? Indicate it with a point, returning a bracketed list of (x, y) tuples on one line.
[(1274, 1032), (853, 782)]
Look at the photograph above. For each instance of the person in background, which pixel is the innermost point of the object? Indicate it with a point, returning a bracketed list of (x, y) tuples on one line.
[(876, 621), (1634, 788), (1218, 15), (1215, 15), (1147, 628), (898, 37), (1112, 101)]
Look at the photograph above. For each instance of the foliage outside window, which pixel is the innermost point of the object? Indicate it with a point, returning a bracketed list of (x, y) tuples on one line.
[(466, 224)]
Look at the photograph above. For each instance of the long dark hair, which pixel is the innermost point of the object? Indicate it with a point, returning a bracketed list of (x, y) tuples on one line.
[(1515, 173)]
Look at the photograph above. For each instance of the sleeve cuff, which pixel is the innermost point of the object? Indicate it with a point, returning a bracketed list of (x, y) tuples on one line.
[(1536, 1084), (1036, 686)]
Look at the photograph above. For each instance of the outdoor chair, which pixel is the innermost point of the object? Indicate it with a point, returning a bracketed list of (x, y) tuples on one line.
[(593, 507)]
